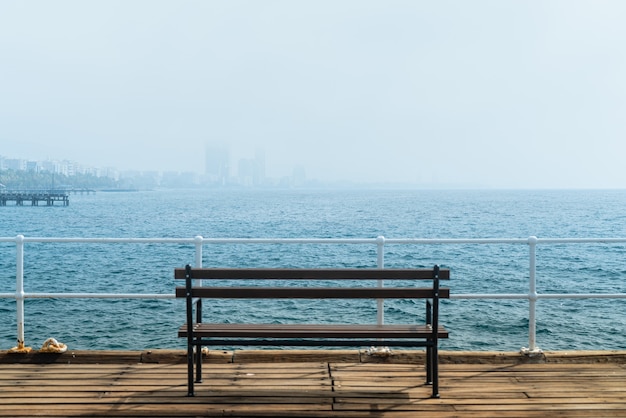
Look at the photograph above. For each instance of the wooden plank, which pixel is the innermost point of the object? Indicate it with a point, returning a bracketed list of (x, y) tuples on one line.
[(180, 399), (156, 410), (288, 292), (389, 331), (310, 274), (536, 403), (278, 356), (596, 408)]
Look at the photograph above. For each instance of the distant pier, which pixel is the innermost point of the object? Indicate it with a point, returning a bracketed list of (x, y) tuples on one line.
[(35, 197)]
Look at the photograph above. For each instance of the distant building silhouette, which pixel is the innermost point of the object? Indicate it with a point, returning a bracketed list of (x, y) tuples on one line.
[(251, 172), (259, 167), (217, 167)]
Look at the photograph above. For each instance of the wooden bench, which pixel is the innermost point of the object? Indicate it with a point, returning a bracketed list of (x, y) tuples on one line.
[(198, 333)]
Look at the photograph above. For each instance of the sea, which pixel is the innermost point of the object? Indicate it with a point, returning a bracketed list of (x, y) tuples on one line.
[(474, 324)]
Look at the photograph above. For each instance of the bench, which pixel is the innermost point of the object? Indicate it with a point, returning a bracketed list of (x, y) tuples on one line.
[(297, 286)]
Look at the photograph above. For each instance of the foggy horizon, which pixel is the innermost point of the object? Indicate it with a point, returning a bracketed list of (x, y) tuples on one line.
[(484, 94)]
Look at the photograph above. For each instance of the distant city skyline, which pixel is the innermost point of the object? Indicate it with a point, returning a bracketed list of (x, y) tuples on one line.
[(219, 170), (247, 176), (218, 162)]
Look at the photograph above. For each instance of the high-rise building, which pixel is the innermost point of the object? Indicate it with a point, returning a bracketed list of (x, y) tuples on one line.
[(217, 167), (258, 175), (15, 164)]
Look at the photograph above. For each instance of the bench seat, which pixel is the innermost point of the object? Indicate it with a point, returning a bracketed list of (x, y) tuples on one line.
[(372, 332)]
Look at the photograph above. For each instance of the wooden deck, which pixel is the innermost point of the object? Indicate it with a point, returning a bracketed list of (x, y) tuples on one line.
[(70, 385)]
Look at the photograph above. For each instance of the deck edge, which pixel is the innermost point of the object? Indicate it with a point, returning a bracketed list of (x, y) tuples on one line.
[(268, 356)]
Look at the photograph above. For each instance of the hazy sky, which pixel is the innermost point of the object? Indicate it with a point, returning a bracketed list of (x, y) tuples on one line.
[(472, 93)]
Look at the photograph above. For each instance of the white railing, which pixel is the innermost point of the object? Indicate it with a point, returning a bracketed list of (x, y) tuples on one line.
[(380, 243)]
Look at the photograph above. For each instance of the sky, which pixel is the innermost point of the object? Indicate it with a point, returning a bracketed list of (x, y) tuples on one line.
[(478, 94)]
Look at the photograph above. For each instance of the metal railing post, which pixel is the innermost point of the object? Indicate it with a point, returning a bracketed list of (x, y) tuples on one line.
[(19, 289), (380, 263), (19, 295), (532, 348), (198, 242)]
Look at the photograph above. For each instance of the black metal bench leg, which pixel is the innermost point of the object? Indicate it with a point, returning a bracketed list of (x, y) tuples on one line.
[(198, 343), (190, 336), (190, 370), (429, 365), (429, 351), (199, 363), (435, 371)]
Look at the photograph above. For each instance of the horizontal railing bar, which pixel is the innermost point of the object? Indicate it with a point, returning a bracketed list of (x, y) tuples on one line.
[(539, 296), (322, 240), (289, 240), (195, 240), (581, 240), (97, 296), (114, 240), (452, 296), (489, 296), (581, 296), (456, 241)]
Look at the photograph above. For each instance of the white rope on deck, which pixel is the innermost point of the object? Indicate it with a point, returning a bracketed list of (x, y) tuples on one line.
[(53, 346)]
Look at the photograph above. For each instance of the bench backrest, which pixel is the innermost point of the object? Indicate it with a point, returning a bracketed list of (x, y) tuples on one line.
[(299, 274)]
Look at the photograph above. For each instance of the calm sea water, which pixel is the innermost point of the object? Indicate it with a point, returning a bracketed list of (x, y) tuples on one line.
[(474, 324)]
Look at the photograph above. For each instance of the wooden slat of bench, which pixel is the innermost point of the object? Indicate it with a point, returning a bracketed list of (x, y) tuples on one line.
[(311, 293), (312, 331), (311, 274)]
